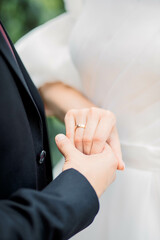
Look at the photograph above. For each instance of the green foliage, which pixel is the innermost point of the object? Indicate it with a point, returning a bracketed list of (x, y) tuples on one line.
[(20, 16), (54, 127)]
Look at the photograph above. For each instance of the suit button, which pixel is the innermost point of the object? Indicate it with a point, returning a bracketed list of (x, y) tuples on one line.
[(42, 157)]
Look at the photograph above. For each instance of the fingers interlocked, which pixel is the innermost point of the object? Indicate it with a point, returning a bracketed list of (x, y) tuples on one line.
[(89, 129)]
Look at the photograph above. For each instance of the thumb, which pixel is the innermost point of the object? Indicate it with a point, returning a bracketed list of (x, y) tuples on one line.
[(108, 150), (64, 145)]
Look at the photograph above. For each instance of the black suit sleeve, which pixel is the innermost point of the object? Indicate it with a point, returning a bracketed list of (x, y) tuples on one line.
[(66, 206)]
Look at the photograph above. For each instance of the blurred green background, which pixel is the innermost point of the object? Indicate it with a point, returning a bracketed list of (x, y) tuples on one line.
[(19, 17)]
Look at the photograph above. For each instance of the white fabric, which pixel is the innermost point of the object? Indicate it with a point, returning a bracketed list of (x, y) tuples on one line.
[(115, 46), (73, 7), (45, 50)]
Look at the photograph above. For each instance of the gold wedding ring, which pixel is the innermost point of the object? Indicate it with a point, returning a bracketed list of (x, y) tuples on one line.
[(80, 126)]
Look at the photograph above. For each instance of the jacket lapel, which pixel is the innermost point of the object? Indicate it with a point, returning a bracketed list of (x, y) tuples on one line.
[(13, 62)]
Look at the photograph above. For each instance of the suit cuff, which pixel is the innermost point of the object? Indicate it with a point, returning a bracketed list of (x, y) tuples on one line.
[(78, 192)]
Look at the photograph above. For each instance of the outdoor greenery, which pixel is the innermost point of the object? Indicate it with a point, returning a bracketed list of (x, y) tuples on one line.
[(20, 16), (54, 127)]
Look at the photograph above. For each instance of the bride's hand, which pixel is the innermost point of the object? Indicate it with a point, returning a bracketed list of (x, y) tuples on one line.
[(97, 126)]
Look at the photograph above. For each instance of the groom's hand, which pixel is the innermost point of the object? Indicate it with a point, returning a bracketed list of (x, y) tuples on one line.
[(90, 129), (99, 169)]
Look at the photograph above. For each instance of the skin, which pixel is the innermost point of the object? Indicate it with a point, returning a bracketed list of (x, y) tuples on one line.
[(59, 98), (100, 129), (71, 106), (99, 169)]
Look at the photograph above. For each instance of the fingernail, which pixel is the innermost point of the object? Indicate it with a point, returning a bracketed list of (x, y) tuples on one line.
[(60, 137)]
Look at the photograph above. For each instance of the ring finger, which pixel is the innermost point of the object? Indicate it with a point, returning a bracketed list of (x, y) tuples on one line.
[(80, 119), (91, 125)]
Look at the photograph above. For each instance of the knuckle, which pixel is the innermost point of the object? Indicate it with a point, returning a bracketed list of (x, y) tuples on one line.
[(111, 115), (87, 140), (82, 112), (85, 110), (98, 139), (93, 110), (70, 113), (78, 140)]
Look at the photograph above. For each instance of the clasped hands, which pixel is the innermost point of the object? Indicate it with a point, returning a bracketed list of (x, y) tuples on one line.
[(92, 146)]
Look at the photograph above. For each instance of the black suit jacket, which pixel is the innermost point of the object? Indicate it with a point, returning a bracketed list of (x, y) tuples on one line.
[(32, 206)]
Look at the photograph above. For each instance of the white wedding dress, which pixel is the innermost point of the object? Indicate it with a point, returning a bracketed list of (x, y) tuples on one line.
[(110, 50)]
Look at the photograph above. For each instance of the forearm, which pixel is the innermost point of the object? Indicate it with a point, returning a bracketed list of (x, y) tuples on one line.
[(59, 98), (51, 213)]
